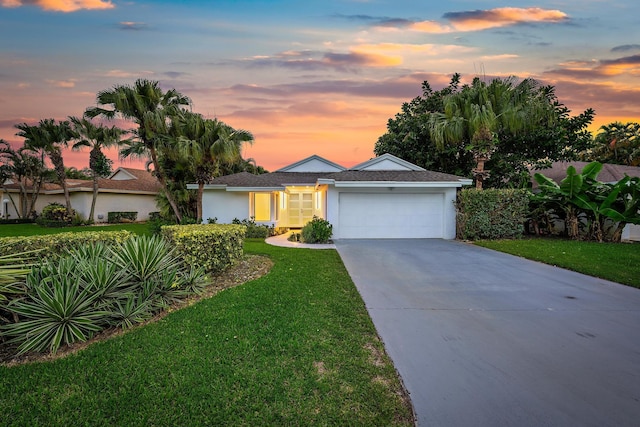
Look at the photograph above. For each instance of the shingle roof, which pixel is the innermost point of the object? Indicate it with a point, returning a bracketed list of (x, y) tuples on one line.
[(145, 182), (393, 176), (280, 179)]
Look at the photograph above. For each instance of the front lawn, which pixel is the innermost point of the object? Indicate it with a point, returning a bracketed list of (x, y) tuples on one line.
[(7, 230), (618, 262), (295, 347)]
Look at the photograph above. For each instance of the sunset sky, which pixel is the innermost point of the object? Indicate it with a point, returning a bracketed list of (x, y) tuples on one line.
[(310, 77)]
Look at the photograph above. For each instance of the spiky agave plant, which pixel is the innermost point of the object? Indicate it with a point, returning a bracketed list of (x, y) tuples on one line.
[(57, 310)]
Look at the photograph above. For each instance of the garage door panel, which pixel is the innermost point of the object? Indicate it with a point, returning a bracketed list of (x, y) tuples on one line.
[(397, 215)]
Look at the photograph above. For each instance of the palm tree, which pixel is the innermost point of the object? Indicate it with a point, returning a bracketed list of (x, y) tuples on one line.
[(479, 112), (151, 110), (23, 167), (87, 134), (205, 143), (617, 143), (50, 137)]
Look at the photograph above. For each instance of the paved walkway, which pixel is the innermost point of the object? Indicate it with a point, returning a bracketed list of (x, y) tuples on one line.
[(483, 338), (282, 241)]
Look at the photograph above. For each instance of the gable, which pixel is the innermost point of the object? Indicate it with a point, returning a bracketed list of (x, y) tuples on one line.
[(387, 162), (121, 174), (313, 164)]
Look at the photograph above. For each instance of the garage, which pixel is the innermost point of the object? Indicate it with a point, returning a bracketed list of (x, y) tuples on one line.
[(391, 215)]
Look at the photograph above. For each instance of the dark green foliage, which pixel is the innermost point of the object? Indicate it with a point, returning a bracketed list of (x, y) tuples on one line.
[(94, 287), (491, 213), (588, 209), (559, 138), (116, 217), (616, 143), (255, 231), (317, 230)]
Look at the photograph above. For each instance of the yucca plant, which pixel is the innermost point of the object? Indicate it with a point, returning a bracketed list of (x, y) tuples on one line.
[(58, 310), (143, 257), (194, 280), (13, 272), (127, 312)]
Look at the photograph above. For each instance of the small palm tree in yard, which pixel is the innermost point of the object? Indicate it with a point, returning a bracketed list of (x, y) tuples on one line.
[(151, 109), (87, 134), (50, 138)]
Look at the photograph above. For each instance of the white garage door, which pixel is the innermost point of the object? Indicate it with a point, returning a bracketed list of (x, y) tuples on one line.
[(391, 215)]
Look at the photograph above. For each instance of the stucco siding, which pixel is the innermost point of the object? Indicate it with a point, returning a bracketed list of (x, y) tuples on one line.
[(225, 206)]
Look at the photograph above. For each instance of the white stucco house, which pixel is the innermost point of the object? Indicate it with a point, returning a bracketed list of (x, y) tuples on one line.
[(385, 197), (125, 190)]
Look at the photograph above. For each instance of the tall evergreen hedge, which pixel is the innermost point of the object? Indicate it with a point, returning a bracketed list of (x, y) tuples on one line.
[(491, 213)]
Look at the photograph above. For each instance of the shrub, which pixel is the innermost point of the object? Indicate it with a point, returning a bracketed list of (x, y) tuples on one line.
[(117, 217), (55, 215), (317, 230), (96, 286), (54, 245), (212, 247), (491, 213), (255, 231)]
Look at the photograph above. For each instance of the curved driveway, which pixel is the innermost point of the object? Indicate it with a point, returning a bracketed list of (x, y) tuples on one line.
[(482, 338)]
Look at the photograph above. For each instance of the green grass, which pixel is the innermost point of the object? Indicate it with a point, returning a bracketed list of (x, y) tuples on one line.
[(7, 230), (295, 347), (618, 262)]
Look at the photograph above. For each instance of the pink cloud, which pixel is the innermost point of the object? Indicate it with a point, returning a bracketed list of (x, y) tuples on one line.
[(61, 5)]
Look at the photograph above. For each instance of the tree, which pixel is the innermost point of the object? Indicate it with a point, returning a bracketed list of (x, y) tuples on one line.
[(151, 110), (474, 116), (205, 143), (25, 169), (616, 143), (87, 134), (555, 137), (50, 137), (408, 136)]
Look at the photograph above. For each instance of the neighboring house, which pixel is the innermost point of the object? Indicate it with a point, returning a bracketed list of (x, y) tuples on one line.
[(385, 197), (125, 190), (610, 174)]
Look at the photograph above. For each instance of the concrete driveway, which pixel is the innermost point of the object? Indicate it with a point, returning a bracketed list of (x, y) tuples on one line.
[(482, 338)]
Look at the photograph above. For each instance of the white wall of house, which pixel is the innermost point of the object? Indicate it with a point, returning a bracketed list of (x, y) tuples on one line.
[(225, 205), (144, 204)]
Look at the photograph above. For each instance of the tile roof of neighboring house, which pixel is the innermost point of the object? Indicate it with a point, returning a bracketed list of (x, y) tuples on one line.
[(144, 182), (279, 179), (609, 172)]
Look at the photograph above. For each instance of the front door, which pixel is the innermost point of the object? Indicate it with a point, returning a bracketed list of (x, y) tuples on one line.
[(300, 209)]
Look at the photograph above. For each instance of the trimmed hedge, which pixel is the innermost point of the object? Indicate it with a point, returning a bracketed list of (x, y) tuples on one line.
[(211, 246), (491, 213), (54, 245)]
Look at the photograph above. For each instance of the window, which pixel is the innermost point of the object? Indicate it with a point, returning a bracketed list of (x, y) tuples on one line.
[(262, 206)]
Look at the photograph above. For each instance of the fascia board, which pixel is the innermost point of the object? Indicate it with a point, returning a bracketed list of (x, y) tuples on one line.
[(384, 184)]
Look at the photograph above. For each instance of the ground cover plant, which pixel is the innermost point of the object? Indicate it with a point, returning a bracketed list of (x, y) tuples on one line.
[(618, 262), (295, 347), (7, 230), (95, 287)]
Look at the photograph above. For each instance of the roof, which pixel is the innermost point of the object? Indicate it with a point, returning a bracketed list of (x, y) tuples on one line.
[(609, 173), (282, 179), (141, 181)]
